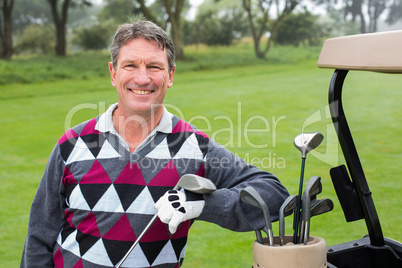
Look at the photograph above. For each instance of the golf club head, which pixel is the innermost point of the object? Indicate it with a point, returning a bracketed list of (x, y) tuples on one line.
[(250, 196), (288, 205), (322, 206), (316, 186), (312, 188), (318, 207), (195, 184), (306, 142)]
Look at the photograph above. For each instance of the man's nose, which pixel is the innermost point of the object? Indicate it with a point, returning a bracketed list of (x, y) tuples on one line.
[(141, 76)]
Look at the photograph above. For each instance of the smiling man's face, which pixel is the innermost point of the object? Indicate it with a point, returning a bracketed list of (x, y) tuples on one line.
[(141, 78)]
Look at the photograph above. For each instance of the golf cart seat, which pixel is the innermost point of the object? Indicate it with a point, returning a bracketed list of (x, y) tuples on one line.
[(377, 52)]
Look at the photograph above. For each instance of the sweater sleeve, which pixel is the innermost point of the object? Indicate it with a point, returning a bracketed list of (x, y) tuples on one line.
[(46, 216), (231, 174)]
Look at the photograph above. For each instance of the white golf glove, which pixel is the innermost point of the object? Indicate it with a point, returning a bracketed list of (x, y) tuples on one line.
[(174, 207)]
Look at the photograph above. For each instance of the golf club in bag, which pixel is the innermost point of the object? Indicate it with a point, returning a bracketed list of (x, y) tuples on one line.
[(305, 142), (313, 188), (250, 196), (318, 207), (287, 206)]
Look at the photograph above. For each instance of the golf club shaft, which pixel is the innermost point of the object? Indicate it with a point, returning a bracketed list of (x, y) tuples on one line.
[(270, 234), (259, 237), (151, 222), (250, 196), (301, 230), (138, 240), (296, 225), (281, 228), (306, 232), (270, 238)]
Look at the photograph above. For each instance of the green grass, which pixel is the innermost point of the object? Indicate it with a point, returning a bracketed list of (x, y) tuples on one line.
[(37, 69), (276, 97)]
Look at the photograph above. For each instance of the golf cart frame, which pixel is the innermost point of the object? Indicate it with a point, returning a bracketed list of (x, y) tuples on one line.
[(378, 52)]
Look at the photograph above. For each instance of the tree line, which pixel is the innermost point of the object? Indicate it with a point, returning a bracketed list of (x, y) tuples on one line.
[(45, 25)]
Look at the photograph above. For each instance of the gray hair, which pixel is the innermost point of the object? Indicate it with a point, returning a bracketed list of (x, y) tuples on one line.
[(142, 29)]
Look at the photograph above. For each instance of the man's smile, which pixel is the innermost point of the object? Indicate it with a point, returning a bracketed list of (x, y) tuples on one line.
[(141, 92)]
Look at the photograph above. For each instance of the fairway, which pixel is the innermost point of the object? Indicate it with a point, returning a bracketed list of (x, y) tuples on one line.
[(255, 111)]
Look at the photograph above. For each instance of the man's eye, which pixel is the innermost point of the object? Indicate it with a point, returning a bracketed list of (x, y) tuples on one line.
[(129, 66)]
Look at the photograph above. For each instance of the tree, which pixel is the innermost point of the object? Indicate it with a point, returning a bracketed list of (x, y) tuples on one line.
[(27, 12), (60, 21), (118, 10), (373, 10), (260, 22), (6, 40), (36, 38), (216, 23), (60, 16), (95, 37), (395, 12), (301, 28), (367, 12), (173, 9)]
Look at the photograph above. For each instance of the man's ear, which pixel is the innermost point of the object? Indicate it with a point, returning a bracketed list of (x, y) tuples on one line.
[(171, 73), (112, 74)]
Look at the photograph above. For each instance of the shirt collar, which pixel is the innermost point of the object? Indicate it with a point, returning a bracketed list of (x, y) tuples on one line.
[(105, 122)]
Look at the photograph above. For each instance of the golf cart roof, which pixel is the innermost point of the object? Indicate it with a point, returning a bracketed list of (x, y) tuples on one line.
[(377, 52)]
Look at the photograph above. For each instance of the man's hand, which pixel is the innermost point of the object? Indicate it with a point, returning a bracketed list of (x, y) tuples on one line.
[(175, 207)]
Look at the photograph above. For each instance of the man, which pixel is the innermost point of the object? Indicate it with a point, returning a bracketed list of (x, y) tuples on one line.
[(106, 176)]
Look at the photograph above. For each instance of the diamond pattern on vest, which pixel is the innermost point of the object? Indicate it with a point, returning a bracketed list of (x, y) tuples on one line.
[(116, 231), (107, 151), (129, 194), (96, 175), (88, 225), (143, 204), (161, 151), (189, 149), (67, 147), (98, 254), (109, 201), (166, 254), (80, 152), (111, 198), (94, 142)]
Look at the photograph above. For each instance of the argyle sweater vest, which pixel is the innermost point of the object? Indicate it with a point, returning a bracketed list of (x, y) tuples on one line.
[(110, 195)]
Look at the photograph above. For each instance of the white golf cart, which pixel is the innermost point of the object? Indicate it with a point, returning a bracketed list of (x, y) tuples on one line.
[(377, 52)]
